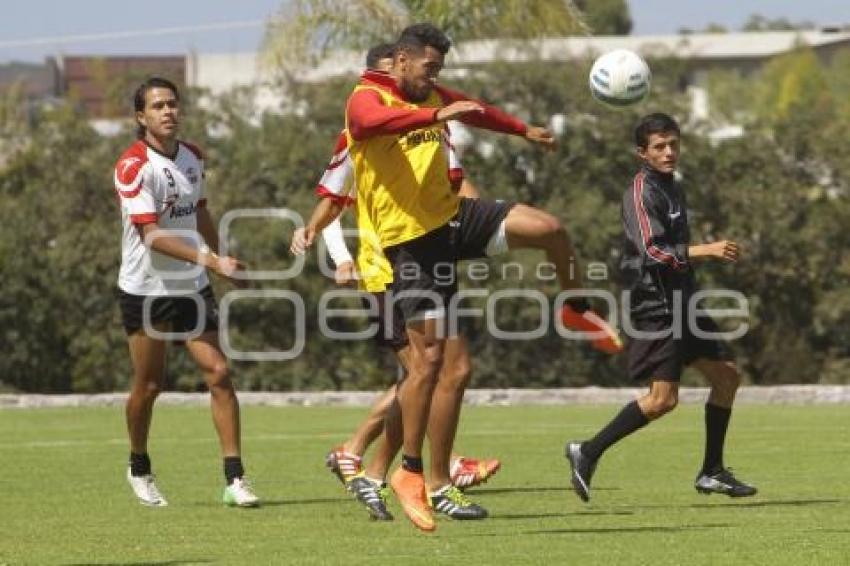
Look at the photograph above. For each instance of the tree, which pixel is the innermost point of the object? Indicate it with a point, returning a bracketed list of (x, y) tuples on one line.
[(757, 22), (307, 30), (606, 17)]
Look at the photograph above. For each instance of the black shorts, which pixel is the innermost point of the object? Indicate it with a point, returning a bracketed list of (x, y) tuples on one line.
[(180, 313), (425, 268), (665, 358), (391, 329)]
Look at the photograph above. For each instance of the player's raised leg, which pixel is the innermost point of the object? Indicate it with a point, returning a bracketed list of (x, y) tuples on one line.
[(527, 227)]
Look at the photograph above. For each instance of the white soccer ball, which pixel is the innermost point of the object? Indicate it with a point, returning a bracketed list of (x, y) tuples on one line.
[(620, 77)]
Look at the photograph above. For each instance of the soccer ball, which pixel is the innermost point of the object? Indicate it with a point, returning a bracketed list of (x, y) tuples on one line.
[(620, 78)]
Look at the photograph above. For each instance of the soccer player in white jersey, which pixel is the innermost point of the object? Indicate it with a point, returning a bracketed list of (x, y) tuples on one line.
[(169, 241)]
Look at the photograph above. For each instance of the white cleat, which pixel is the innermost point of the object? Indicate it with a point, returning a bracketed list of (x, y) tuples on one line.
[(145, 489), (240, 494)]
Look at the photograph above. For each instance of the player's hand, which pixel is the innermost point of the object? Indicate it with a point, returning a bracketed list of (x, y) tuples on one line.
[(227, 267), (542, 136), (724, 250), (302, 239), (345, 273), (456, 110)]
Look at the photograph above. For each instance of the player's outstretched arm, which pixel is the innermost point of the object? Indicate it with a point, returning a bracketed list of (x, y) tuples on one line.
[(479, 114), (724, 250), (541, 136)]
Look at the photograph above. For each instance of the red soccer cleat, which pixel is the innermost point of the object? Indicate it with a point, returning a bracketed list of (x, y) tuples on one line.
[(469, 472)]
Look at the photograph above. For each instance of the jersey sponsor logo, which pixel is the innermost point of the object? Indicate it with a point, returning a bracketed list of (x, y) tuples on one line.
[(169, 201), (187, 210), (422, 136)]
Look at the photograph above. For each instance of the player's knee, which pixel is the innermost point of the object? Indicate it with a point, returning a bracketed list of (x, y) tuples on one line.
[(151, 390), (730, 377), (660, 405), (426, 365), (733, 376), (218, 377), (458, 375)]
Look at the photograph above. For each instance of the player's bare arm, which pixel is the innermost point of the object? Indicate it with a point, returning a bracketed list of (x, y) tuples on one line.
[(725, 250), (167, 243), (207, 228), (540, 136), (324, 213)]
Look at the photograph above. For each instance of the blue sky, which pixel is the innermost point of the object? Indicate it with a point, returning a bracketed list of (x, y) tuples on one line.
[(55, 20)]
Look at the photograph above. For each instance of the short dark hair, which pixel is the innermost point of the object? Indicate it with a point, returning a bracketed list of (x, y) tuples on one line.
[(423, 35), (654, 124), (142, 91), (378, 52)]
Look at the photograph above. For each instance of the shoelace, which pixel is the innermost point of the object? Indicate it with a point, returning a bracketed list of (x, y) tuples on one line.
[(457, 497)]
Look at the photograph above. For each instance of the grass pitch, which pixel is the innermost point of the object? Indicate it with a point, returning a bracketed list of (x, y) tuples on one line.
[(65, 500)]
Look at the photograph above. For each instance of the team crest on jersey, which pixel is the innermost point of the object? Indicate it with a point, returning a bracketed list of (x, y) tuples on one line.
[(192, 175), (127, 164)]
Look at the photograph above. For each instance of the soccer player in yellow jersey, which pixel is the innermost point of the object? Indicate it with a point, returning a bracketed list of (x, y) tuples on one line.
[(448, 471), (395, 125)]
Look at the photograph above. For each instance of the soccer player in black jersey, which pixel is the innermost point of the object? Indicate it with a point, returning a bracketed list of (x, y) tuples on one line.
[(658, 264)]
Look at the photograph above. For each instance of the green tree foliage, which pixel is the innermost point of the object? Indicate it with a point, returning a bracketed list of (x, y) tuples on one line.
[(757, 22), (606, 17), (307, 30), (781, 190)]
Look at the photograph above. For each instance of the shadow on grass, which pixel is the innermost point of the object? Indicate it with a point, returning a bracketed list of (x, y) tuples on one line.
[(531, 489), (774, 503), (518, 517), (629, 530), (318, 501)]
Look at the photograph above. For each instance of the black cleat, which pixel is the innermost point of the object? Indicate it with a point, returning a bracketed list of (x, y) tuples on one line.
[(582, 470), (450, 501), (723, 482), (371, 496)]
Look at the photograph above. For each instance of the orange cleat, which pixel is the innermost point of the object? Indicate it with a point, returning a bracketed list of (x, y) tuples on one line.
[(605, 338), (409, 487)]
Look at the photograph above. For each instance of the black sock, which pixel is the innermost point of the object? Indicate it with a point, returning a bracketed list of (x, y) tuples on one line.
[(411, 464), (233, 468), (716, 423), (140, 464), (629, 419)]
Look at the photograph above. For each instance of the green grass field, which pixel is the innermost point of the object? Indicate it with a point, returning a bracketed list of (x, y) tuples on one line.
[(65, 501)]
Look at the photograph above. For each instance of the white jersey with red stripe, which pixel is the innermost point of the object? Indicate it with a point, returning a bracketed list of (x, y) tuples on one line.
[(154, 188)]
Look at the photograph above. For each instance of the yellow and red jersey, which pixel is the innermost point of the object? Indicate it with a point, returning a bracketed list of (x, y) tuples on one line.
[(396, 147)]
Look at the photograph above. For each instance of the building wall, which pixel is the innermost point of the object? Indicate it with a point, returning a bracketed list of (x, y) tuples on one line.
[(103, 86)]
